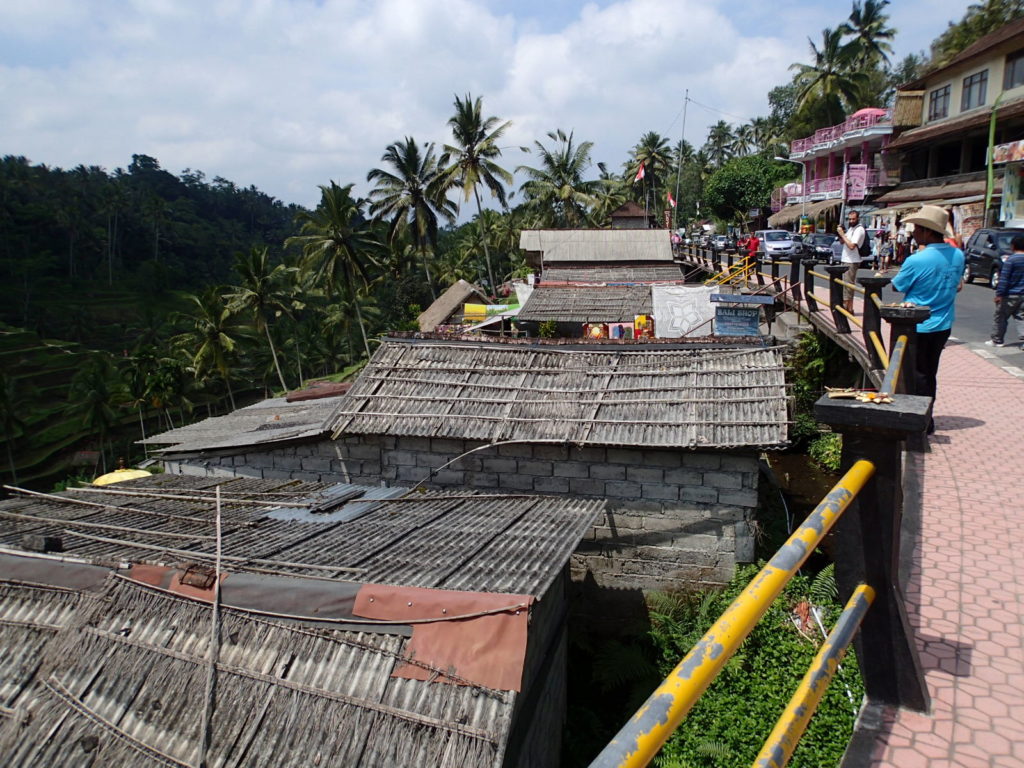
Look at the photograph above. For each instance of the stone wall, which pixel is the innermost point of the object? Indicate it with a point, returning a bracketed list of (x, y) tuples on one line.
[(674, 518)]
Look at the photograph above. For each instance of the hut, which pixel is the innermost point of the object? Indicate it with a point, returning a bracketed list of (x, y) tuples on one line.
[(186, 621), (447, 309)]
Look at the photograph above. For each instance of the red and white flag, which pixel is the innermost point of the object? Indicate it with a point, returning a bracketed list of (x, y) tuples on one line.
[(671, 200), (639, 174)]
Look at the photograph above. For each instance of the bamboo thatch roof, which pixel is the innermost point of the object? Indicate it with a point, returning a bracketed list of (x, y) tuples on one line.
[(449, 303), (613, 246), (679, 398), (587, 304), (314, 529), (127, 685), (269, 421), (641, 273)]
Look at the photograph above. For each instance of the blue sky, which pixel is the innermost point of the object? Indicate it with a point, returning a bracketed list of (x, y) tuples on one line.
[(289, 94)]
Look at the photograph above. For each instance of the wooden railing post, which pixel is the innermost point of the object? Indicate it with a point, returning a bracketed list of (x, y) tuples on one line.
[(809, 264), (903, 322), (868, 542), (758, 269), (775, 273), (794, 280), (873, 317), (835, 297), (728, 258)]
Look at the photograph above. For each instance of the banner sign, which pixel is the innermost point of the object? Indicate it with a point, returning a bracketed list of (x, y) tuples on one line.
[(856, 181)]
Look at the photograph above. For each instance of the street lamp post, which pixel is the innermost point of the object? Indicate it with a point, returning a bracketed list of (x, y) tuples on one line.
[(803, 185)]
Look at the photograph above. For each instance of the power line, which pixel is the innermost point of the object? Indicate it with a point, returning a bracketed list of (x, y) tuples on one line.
[(719, 111)]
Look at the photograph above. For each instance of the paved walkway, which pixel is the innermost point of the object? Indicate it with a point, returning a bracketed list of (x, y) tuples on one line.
[(965, 590)]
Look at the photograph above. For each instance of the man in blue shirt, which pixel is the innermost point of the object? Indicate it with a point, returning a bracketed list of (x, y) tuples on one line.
[(931, 277), (1009, 296)]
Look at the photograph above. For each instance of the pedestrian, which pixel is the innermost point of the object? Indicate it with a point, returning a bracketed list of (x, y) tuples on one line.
[(853, 238), (1009, 296), (752, 244), (931, 277)]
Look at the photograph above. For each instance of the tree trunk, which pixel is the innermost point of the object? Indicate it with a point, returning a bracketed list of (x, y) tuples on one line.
[(273, 354), (362, 328), (142, 426), (483, 239), (231, 394), (10, 461)]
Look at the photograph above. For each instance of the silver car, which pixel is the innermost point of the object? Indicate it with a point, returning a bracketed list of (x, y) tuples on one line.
[(775, 244)]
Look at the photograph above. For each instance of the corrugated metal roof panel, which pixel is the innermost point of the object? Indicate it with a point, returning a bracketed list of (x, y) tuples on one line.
[(613, 246)]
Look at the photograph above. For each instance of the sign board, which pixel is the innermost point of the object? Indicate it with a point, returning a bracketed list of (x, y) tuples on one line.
[(737, 321), (741, 298), (1012, 209), (856, 181), (1012, 152)]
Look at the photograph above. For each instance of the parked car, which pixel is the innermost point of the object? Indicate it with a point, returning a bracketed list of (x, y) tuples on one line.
[(819, 245), (986, 251), (720, 243), (777, 244)]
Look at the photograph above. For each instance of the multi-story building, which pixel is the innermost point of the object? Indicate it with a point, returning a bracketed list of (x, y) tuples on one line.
[(942, 124), (844, 163)]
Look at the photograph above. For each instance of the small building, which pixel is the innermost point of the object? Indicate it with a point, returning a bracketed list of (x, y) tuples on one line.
[(447, 309), (586, 248), (631, 216), (354, 626)]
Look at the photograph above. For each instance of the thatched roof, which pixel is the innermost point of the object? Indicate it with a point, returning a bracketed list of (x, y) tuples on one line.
[(449, 303), (114, 670), (270, 421), (613, 246), (269, 527), (651, 273), (586, 304), (679, 398)]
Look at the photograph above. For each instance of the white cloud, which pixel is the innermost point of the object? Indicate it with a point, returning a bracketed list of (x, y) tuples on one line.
[(287, 94)]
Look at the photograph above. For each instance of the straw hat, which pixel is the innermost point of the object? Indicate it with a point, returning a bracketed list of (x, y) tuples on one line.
[(930, 217)]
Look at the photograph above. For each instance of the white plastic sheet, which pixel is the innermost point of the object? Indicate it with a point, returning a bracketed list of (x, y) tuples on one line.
[(680, 310)]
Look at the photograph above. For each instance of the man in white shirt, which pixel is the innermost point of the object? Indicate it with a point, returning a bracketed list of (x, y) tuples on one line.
[(852, 238)]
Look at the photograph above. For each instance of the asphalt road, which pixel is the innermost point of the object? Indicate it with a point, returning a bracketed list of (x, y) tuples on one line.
[(973, 324)]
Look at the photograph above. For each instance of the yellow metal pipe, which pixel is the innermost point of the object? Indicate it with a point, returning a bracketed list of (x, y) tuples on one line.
[(879, 348), (639, 740), (877, 299), (850, 316), (778, 747)]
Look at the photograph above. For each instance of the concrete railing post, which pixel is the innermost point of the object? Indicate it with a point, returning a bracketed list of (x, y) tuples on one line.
[(868, 542), (835, 297), (872, 316), (794, 281)]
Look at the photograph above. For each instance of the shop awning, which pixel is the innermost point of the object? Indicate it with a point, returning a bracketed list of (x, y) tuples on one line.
[(935, 194), (788, 214)]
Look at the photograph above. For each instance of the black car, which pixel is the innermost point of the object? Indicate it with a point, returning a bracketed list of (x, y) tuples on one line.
[(819, 245), (986, 251)]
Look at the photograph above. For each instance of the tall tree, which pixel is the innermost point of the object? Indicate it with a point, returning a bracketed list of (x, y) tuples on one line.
[(871, 36), (411, 196), (94, 393), (557, 189), (262, 293), (473, 160), (210, 342), (11, 412), (336, 244), (832, 83), (718, 146), (979, 20)]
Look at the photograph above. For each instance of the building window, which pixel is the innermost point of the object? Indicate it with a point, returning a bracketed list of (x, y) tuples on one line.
[(1013, 75), (974, 91), (938, 103)]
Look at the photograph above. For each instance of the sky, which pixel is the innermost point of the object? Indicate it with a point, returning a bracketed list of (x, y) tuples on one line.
[(290, 94)]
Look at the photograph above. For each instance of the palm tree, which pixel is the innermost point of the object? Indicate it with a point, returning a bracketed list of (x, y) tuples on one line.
[(473, 160), (210, 343), (718, 146), (94, 391), (262, 293), (11, 411), (412, 196), (743, 140), (832, 83), (336, 243), (871, 36), (557, 189)]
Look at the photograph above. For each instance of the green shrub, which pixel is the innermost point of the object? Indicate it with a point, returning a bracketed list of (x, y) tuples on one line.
[(826, 451), (548, 329), (735, 715)]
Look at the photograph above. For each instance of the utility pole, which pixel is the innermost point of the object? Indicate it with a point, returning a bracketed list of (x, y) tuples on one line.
[(679, 158)]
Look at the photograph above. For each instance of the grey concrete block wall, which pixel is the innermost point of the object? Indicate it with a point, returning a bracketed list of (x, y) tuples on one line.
[(674, 518)]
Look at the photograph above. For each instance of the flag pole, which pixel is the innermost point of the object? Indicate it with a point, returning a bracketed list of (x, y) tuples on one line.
[(679, 158)]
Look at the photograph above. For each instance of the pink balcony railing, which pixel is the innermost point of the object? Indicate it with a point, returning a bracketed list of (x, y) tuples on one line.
[(825, 136), (824, 186)]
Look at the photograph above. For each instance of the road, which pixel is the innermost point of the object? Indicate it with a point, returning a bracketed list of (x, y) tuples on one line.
[(973, 324)]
